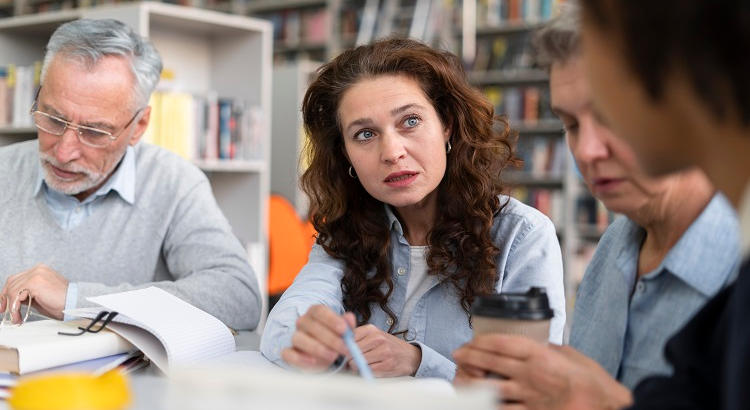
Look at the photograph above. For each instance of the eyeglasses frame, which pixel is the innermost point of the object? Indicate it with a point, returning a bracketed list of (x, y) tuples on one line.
[(77, 127)]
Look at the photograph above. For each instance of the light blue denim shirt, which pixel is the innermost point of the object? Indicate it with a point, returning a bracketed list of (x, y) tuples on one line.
[(69, 212), (529, 256), (624, 323)]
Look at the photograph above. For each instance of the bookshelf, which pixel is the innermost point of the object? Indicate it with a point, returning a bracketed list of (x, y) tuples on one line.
[(290, 82), (209, 52), (502, 65), (302, 29)]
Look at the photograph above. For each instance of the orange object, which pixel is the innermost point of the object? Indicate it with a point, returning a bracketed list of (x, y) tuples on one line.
[(290, 241)]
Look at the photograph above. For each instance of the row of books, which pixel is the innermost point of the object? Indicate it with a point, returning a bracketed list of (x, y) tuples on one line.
[(42, 6), (542, 156), (592, 213), (493, 13), (18, 85), (527, 104), (503, 52), (205, 126), (591, 217), (292, 27), (548, 201)]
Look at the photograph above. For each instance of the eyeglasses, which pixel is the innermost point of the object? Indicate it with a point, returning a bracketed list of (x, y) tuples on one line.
[(90, 136), (16, 306)]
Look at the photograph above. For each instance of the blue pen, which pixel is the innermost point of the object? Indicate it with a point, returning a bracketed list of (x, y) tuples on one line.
[(357, 356)]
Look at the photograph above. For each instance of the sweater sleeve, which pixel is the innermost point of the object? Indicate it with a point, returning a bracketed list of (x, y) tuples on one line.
[(207, 264), (319, 282)]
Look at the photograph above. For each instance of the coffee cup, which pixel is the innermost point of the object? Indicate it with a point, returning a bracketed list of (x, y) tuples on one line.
[(526, 314)]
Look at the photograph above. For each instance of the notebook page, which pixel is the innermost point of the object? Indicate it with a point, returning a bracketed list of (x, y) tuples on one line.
[(188, 334)]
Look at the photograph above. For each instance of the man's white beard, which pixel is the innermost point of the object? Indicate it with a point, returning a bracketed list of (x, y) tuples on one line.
[(78, 186)]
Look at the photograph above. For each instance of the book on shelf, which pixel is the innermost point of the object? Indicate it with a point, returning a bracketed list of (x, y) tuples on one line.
[(292, 26), (527, 104), (542, 157), (205, 126), (315, 25), (493, 13), (591, 213), (18, 86), (548, 201), (505, 52)]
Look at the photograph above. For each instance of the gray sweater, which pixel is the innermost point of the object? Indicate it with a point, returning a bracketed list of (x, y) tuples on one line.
[(174, 236)]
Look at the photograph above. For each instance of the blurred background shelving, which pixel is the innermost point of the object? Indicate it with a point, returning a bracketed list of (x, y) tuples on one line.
[(493, 38)]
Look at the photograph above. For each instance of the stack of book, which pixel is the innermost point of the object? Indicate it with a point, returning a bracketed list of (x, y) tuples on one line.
[(205, 127), (18, 86)]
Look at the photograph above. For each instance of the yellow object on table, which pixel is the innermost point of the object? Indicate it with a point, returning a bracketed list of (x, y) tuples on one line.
[(70, 391)]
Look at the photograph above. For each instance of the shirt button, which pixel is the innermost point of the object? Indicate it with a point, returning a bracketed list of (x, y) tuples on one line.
[(78, 209), (389, 322), (401, 271), (410, 335), (641, 286)]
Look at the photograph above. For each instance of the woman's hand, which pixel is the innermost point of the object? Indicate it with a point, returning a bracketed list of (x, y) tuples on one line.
[(538, 376), (387, 355), (317, 341)]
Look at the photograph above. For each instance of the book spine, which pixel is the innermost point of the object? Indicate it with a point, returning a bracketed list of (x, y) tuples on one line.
[(225, 132)]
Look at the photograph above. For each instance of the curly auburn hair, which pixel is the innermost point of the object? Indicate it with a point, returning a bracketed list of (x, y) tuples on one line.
[(352, 225)]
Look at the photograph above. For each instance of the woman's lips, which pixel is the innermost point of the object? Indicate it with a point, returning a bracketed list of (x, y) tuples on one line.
[(606, 184), (399, 179)]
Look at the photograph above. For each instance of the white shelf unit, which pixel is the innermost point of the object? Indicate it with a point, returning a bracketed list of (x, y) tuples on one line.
[(208, 51), (290, 82)]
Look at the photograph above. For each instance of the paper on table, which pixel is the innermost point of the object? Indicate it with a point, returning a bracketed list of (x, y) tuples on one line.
[(185, 333)]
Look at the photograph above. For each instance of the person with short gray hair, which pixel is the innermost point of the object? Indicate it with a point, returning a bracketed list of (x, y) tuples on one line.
[(89, 210)]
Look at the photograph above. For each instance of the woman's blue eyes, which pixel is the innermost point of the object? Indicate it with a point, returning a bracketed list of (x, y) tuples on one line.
[(365, 135), (411, 122)]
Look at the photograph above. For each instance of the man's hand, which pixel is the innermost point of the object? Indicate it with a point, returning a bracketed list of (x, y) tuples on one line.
[(538, 376), (387, 355), (317, 342), (47, 287)]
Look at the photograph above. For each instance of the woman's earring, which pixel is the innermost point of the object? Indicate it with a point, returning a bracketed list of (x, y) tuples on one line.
[(351, 172), (448, 147)]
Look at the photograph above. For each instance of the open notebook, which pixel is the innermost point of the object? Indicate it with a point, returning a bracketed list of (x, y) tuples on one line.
[(167, 329)]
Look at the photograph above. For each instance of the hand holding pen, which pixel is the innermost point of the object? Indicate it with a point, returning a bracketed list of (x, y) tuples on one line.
[(322, 336), (318, 340)]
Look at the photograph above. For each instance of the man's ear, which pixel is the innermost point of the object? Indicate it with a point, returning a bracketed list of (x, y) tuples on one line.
[(141, 125)]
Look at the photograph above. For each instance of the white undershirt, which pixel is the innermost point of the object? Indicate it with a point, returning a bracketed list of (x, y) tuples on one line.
[(419, 283)]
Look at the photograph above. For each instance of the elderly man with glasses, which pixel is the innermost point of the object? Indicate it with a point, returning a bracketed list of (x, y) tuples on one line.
[(86, 209)]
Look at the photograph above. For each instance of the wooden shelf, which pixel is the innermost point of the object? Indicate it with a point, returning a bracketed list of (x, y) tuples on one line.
[(521, 178), (280, 47), (554, 127), (22, 131), (506, 28), (223, 165), (509, 77), (267, 6)]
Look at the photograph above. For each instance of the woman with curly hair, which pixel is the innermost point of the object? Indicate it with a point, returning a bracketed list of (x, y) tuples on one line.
[(405, 190)]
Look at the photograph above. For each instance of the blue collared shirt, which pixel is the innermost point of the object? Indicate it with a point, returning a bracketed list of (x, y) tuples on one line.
[(69, 212), (529, 256), (623, 322)]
